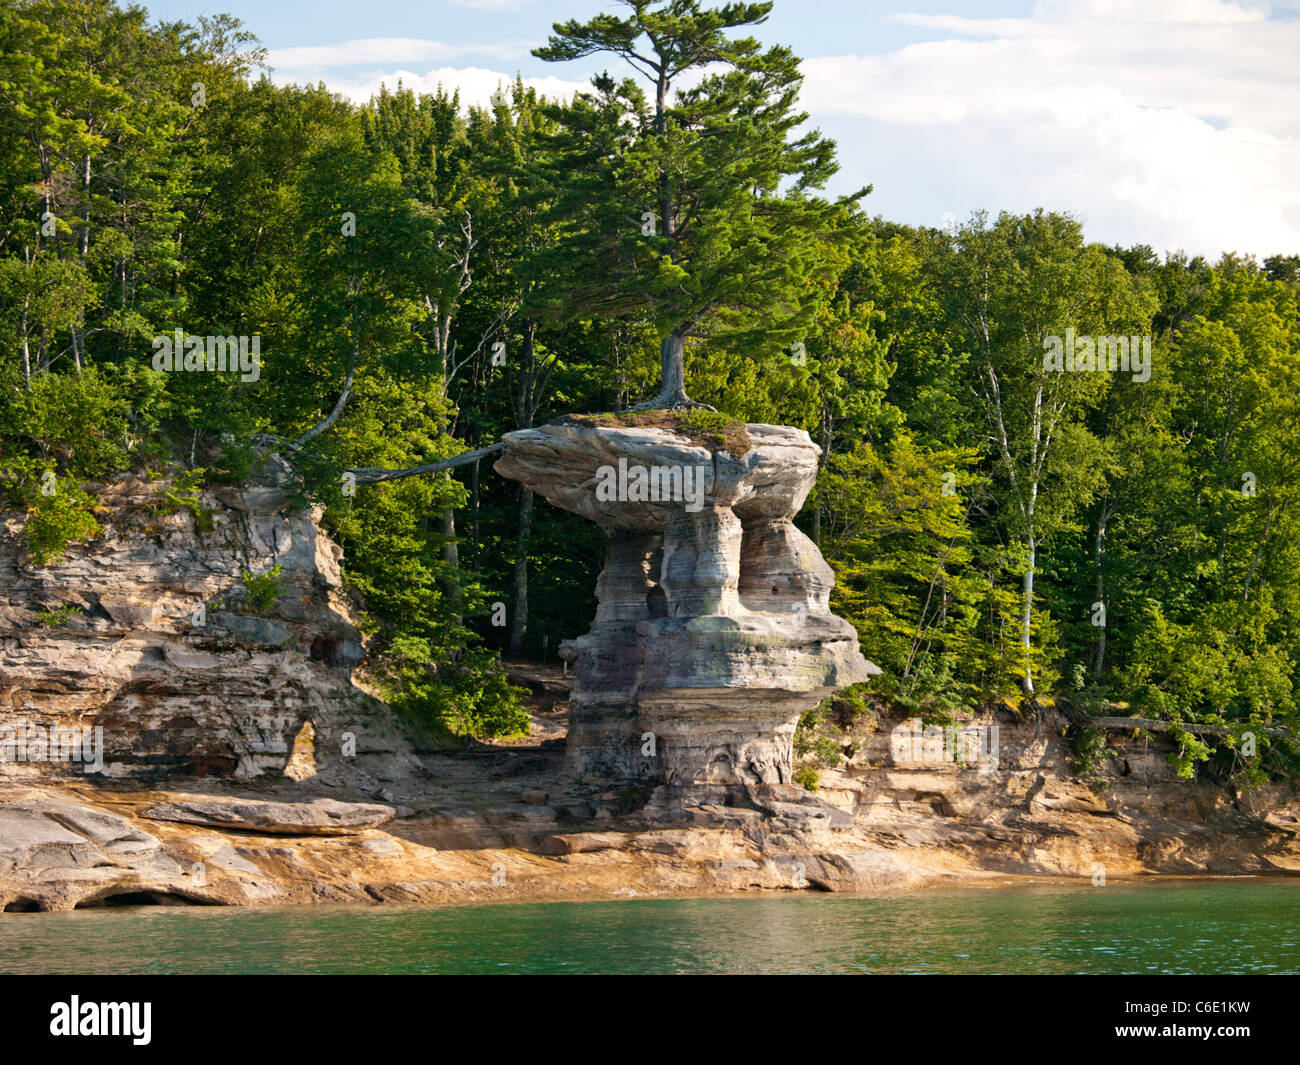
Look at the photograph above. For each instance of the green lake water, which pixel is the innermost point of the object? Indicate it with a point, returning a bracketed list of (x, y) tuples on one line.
[(1203, 926)]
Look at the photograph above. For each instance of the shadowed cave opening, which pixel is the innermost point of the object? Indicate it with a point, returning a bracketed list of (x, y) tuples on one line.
[(656, 602), (137, 898), (325, 649)]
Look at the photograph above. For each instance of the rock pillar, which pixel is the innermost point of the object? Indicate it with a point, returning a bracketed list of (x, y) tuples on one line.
[(714, 631)]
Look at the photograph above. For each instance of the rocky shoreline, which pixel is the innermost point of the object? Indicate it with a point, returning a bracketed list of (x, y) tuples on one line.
[(502, 825), (237, 761)]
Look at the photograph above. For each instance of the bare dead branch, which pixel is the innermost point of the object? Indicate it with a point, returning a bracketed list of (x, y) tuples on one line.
[(334, 415)]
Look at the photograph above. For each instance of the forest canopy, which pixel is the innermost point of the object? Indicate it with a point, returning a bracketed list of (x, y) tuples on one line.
[(1118, 537)]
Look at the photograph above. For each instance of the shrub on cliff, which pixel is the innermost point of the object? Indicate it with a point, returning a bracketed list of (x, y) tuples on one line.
[(910, 576), (404, 570), (468, 696), (1220, 671), (64, 432)]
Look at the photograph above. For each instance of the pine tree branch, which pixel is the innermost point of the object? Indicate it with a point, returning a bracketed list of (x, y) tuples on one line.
[(375, 475)]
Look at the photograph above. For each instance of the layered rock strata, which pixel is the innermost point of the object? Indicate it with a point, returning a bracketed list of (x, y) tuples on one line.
[(714, 630), (144, 654), (901, 825)]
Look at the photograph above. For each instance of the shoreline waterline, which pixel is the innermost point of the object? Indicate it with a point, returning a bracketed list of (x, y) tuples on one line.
[(1147, 925)]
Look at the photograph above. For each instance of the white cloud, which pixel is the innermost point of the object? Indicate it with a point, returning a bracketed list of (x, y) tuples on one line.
[(963, 26), (476, 84), (1170, 122), (492, 5), (358, 68), (381, 50)]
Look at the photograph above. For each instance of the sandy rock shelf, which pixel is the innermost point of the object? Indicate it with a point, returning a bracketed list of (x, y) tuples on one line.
[(473, 832)]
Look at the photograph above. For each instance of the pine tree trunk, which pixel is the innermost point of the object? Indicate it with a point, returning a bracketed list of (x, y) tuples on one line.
[(526, 402), (83, 249), (673, 363), (673, 372), (825, 441), (1100, 592), (474, 518), (451, 556), (27, 351), (519, 623)]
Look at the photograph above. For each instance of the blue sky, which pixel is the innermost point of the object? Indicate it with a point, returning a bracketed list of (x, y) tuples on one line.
[(1169, 122), (812, 27)]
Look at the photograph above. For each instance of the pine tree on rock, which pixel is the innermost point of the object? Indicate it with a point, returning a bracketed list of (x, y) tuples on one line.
[(691, 208)]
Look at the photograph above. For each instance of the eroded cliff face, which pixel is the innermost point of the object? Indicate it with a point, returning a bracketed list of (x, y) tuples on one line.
[(502, 825), (151, 646), (714, 630), (228, 776)]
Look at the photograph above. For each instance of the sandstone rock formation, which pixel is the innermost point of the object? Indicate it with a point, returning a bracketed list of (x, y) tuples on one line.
[(897, 825), (323, 817), (714, 631), (148, 635), (695, 641)]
